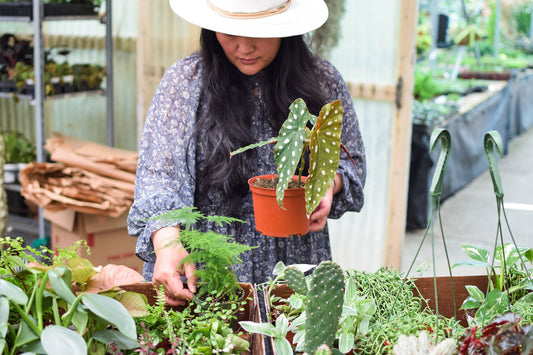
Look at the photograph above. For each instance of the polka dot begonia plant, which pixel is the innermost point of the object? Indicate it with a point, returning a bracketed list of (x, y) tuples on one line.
[(323, 142)]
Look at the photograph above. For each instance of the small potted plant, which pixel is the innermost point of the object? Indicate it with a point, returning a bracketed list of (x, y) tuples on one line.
[(18, 151), (286, 205)]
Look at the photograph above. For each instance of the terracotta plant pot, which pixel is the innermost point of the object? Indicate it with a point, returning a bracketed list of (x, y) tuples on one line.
[(270, 218)]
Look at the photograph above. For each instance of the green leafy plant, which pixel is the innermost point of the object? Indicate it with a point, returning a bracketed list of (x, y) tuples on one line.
[(510, 281), (323, 141), (213, 253), (17, 148), (41, 304)]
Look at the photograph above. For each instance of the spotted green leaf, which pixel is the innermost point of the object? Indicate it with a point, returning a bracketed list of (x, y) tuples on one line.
[(289, 149), (324, 154)]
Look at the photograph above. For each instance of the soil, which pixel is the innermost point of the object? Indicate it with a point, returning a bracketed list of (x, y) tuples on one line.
[(272, 183)]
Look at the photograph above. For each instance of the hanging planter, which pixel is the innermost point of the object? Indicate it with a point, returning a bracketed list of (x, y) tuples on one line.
[(270, 218)]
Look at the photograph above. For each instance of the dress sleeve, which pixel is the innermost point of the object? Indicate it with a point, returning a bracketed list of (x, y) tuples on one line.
[(351, 198), (165, 171)]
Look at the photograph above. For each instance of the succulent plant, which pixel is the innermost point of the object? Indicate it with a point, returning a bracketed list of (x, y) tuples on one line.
[(324, 298), (323, 142)]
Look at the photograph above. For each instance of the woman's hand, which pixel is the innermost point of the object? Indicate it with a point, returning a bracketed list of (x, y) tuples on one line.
[(168, 268), (319, 217)]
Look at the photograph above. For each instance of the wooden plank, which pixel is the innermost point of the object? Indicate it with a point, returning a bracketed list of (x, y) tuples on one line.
[(401, 135), (372, 91)]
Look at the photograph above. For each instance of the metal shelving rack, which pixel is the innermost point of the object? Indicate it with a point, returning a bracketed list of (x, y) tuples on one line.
[(39, 96)]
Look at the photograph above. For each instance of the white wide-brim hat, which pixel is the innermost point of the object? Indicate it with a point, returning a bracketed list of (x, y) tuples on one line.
[(254, 18)]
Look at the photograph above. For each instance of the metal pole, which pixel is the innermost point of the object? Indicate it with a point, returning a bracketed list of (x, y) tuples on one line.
[(39, 92), (531, 22), (497, 28), (434, 33), (109, 74)]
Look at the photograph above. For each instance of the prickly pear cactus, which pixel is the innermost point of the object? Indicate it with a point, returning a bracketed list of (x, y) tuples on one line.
[(323, 350), (296, 280), (324, 306)]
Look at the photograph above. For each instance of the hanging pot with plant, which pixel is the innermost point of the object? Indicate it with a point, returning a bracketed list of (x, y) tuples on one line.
[(323, 142)]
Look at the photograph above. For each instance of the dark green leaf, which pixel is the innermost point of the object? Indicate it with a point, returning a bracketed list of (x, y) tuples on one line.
[(324, 154), (289, 149), (60, 287), (112, 311), (26, 335)]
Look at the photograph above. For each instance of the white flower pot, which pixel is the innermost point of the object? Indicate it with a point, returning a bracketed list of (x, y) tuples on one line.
[(11, 172)]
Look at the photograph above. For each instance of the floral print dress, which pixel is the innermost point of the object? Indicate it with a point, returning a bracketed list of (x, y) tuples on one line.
[(166, 180)]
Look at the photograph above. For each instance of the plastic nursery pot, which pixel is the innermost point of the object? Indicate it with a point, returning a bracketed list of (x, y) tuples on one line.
[(270, 218)]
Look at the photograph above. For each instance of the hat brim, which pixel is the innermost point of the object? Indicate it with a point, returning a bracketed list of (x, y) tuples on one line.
[(301, 17)]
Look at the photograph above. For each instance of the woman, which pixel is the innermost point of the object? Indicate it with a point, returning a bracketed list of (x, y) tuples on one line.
[(253, 63)]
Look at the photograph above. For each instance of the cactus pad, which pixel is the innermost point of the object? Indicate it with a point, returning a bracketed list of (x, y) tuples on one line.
[(324, 305), (296, 280)]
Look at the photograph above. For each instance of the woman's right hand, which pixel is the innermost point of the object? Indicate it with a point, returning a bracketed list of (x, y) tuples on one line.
[(168, 268)]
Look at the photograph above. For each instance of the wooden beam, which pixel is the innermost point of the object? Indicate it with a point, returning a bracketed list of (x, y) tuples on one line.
[(401, 134), (368, 91)]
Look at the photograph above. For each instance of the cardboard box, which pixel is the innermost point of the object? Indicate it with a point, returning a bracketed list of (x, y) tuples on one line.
[(107, 237)]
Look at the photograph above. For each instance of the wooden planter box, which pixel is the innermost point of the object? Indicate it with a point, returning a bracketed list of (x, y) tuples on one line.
[(426, 289), (250, 312), (485, 75)]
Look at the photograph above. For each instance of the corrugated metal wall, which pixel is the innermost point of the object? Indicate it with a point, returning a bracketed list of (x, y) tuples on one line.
[(368, 54), (163, 39)]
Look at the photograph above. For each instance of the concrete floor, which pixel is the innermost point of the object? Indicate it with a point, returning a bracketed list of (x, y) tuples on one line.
[(471, 216)]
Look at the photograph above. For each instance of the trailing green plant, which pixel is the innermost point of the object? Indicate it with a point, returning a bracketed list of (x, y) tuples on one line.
[(399, 311), (323, 141), (213, 253), (39, 304), (510, 283)]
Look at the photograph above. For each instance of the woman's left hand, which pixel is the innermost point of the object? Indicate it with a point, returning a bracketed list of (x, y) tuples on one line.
[(319, 217)]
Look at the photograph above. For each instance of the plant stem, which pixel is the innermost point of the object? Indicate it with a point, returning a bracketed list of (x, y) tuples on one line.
[(67, 317), (55, 309), (39, 301)]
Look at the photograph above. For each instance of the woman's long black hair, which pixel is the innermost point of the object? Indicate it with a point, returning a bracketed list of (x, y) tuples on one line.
[(225, 125)]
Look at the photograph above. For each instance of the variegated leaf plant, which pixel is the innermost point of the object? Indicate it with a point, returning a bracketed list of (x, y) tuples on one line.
[(323, 142)]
